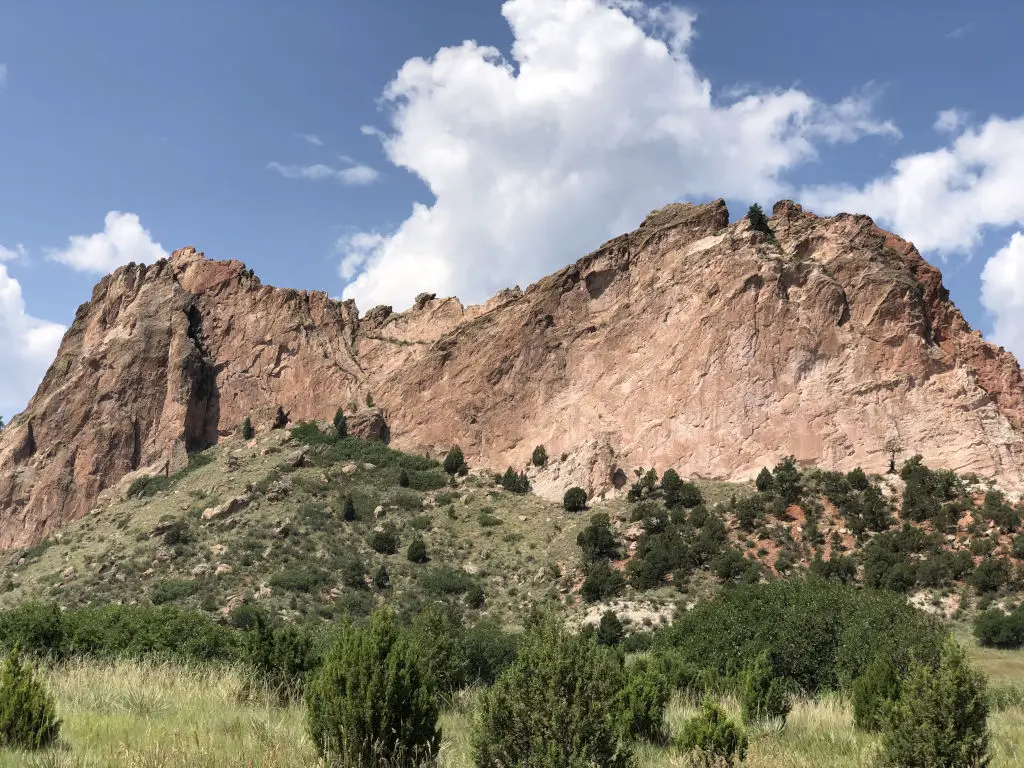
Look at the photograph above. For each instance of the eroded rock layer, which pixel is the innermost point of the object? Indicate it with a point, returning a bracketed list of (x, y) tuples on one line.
[(690, 342)]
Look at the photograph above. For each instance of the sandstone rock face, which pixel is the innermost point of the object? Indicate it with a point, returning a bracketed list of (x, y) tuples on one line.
[(690, 342)]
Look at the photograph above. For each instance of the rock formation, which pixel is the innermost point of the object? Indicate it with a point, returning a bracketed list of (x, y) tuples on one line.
[(690, 342)]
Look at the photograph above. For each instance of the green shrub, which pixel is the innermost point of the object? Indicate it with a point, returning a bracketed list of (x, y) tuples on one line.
[(713, 739), (403, 478), (857, 479), (765, 696), (425, 480), (455, 462), (994, 629), (557, 705), (382, 579), (643, 701), (940, 717), (282, 658), (417, 552), (575, 499), (610, 630), (764, 481), (438, 640), (873, 693), (38, 628), (515, 482), (598, 540), (602, 582), (489, 650), (173, 589), (689, 495), (487, 520), (28, 717), (149, 485), (786, 481), (540, 456), (247, 431), (371, 703), (444, 580), (299, 578), (991, 574), (819, 634), (385, 541)]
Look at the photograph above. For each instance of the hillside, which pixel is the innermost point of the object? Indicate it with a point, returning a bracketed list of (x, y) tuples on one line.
[(310, 526), (690, 343)]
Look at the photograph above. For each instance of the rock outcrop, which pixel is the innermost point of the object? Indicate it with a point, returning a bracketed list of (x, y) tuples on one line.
[(690, 342)]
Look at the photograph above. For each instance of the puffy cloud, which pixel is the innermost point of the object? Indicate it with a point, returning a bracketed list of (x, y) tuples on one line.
[(122, 240), (1002, 294), (598, 117), (942, 200), (949, 120), (27, 346), (355, 175)]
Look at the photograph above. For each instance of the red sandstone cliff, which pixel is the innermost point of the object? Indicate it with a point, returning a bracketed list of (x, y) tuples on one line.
[(690, 343)]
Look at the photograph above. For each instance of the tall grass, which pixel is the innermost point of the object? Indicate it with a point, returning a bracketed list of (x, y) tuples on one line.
[(168, 715)]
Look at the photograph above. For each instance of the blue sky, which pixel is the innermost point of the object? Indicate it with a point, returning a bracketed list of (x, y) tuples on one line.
[(299, 137)]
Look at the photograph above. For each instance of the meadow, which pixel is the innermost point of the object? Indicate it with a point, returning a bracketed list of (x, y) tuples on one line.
[(165, 714)]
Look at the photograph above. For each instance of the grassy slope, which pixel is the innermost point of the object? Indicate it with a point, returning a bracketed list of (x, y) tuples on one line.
[(167, 715)]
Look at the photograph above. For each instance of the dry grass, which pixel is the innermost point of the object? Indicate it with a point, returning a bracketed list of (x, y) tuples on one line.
[(148, 715)]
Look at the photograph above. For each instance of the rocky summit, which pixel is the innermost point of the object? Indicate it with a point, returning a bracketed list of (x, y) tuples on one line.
[(692, 343)]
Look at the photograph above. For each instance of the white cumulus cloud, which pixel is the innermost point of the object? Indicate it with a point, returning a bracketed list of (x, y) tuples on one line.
[(27, 346), (1002, 294), (943, 199), (354, 175), (597, 117), (122, 240)]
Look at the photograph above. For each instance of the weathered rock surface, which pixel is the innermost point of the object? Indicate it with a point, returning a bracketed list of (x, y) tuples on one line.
[(691, 343)]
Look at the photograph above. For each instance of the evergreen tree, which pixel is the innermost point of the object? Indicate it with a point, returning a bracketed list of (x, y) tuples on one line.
[(874, 692), (764, 481), (940, 718), (765, 694), (671, 488), (786, 480), (610, 630), (372, 703), (417, 552), (758, 221), (340, 423), (455, 461), (575, 499), (381, 579), (28, 718), (540, 456), (557, 705), (349, 511), (712, 738), (247, 431), (403, 478)]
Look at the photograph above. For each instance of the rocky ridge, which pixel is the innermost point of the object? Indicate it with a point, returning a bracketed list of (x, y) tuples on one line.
[(690, 342)]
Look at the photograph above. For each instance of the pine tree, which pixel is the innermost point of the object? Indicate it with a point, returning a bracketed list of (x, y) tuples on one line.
[(758, 221), (247, 431), (764, 481), (540, 456), (403, 478), (349, 510), (382, 579)]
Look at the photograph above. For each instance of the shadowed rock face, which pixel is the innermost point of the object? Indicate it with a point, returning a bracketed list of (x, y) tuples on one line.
[(689, 343)]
